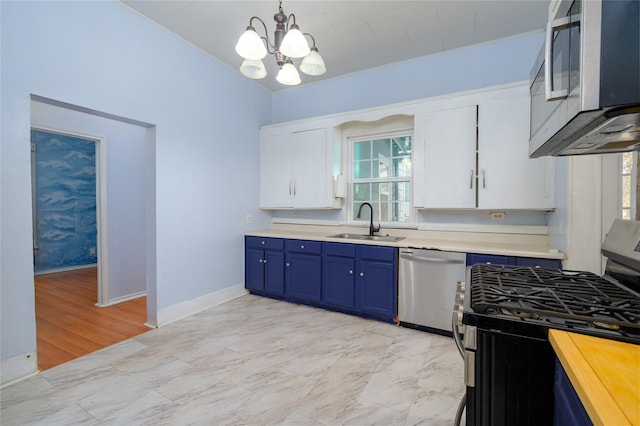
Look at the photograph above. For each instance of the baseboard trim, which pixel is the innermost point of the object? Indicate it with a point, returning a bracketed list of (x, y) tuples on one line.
[(18, 368), (121, 299), (199, 304)]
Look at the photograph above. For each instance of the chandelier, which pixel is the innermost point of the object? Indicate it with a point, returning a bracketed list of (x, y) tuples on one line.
[(288, 43)]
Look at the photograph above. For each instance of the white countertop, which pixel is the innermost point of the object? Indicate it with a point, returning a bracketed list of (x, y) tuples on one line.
[(466, 242)]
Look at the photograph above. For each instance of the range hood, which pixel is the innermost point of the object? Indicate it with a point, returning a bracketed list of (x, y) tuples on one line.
[(597, 132), (591, 102)]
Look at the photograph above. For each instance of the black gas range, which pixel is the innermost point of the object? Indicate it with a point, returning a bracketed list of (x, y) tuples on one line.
[(503, 314)]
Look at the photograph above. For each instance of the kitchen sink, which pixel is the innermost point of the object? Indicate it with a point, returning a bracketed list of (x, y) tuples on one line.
[(386, 238)]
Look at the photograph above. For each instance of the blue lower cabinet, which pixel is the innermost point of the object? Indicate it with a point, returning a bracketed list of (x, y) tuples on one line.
[(376, 288), (264, 265), (540, 263), (473, 258), (568, 410), (303, 270), (338, 281)]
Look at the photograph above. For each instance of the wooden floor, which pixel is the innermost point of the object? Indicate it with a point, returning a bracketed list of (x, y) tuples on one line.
[(69, 324)]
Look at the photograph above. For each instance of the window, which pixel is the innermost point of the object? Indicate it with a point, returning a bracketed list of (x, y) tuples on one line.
[(628, 185), (382, 176)]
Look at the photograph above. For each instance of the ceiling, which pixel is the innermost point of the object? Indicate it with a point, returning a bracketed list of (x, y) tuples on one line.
[(351, 35)]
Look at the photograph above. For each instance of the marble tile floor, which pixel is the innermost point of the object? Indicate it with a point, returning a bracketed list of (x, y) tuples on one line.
[(251, 361)]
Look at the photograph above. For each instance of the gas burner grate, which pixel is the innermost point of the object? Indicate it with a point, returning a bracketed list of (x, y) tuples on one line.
[(525, 292)]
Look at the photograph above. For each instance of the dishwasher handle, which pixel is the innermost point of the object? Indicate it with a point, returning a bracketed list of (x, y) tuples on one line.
[(411, 256)]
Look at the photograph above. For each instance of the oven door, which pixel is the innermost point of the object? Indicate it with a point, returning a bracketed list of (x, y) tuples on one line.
[(509, 380)]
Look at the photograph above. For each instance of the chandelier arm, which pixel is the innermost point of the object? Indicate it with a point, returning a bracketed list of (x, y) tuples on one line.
[(266, 32), (312, 38), (289, 20)]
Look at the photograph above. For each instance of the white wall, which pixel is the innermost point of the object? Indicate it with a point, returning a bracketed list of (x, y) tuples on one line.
[(103, 56), (126, 177)]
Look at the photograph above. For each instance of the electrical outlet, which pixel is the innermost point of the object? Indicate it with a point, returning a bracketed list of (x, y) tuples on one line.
[(249, 218), (295, 213), (497, 215)]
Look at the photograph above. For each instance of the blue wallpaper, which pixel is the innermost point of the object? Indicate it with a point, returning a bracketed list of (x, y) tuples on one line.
[(65, 201)]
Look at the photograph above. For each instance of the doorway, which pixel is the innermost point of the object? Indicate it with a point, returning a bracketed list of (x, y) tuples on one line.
[(125, 227)]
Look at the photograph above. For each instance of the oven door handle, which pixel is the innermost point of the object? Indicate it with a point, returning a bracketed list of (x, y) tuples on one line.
[(455, 328)]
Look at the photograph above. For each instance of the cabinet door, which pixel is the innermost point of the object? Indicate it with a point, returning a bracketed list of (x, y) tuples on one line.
[(274, 272), (508, 178), (311, 180), (541, 263), (376, 288), (276, 171), (302, 276), (493, 259), (449, 158), (254, 269), (338, 285)]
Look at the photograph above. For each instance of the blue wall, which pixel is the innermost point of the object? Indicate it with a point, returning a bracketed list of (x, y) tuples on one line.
[(489, 64), (65, 197)]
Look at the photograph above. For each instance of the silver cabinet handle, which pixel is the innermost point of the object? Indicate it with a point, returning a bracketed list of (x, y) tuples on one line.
[(290, 186), (549, 93), (471, 179), (350, 272), (484, 179)]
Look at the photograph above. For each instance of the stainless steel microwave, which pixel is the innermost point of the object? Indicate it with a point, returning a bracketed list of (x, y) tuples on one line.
[(585, 83)]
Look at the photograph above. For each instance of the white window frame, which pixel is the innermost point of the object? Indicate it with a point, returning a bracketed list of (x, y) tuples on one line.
[(350, 140)]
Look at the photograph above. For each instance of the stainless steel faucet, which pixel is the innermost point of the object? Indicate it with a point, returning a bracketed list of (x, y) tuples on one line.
[(372, 229)]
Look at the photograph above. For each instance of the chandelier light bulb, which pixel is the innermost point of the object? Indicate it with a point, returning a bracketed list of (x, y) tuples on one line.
[(253, 68), (313, 64), (294, 44), (288, 75), (250, 45)]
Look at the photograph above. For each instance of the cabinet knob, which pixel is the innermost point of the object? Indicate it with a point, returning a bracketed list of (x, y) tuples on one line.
[(264, 261), (260, 260), (302, 246), (362, 274), (350, 272), (263, 242), (288, 264)]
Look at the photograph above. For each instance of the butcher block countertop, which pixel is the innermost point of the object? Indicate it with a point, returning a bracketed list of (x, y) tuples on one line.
[(605, 374)]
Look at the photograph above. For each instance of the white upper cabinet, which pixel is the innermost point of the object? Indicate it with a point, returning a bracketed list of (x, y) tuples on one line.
[(295, 170), (507, 177), (449, 139), (475, 152)]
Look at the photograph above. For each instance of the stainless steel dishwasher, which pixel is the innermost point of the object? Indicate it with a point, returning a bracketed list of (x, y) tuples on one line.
[(427, 288)]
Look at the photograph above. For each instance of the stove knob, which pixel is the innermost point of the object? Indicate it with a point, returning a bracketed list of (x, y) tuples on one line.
[(460, 299), (457, 315), (460, 287)]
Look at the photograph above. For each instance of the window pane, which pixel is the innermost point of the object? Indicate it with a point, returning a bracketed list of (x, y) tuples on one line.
[(361, 192), (402, 167), (362, 150), (402, 146), (381, 191), (381, 148), (626, 192), (401, 211), (626, 214), (382, 211), (627, 163), (381, 168), (401, 191), (362, 169)]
